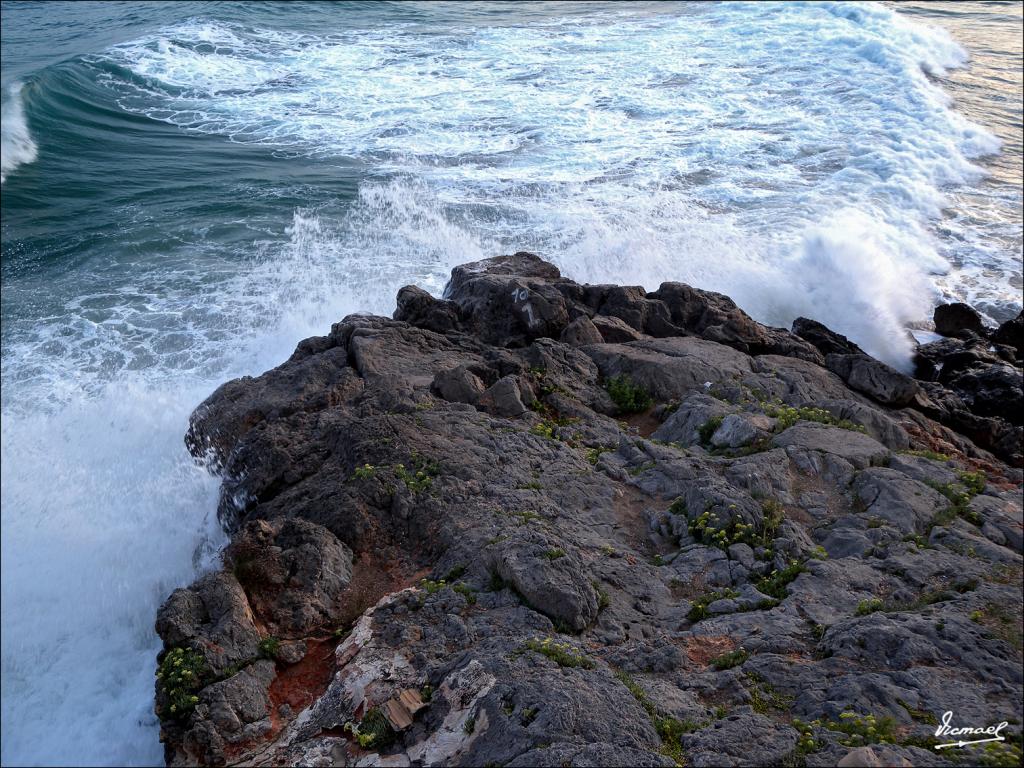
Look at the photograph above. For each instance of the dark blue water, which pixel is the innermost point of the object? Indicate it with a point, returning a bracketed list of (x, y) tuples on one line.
[(190, 188)]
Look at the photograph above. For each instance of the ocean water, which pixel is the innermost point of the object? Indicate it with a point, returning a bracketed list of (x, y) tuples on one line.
[(190, 188)]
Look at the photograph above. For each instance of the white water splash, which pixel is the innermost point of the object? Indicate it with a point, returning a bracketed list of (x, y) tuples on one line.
[(787, 136), (16, 145)]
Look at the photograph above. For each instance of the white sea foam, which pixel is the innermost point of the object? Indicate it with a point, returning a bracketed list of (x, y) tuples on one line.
[(16, 144), (753, 126)]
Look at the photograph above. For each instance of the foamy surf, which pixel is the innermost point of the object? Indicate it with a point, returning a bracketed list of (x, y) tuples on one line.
[(642, 128), (16, 145)]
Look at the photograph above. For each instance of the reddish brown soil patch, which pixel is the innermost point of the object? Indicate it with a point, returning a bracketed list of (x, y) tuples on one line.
[(371, 580), (645, 423), (702, 649), (297, 685)]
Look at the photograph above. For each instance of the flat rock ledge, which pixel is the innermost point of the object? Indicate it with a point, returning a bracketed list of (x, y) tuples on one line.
[(539, 523)]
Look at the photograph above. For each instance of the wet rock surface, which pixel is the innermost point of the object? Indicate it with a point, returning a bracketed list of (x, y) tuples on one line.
[(542, 523)]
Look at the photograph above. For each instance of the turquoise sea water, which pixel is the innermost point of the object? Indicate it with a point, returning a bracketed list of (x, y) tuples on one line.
[(191, 188)]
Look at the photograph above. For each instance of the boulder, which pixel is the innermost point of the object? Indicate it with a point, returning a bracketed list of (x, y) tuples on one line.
[(581, 331), (827, 341), (874, 378), (857, 448), (1011, 334), (294, 573), (953, 319)]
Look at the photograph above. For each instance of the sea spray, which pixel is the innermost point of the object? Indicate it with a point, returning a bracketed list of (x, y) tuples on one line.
[(16, 144), (621, 140)]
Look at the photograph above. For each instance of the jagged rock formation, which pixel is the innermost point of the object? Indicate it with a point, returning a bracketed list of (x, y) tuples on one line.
[(542, 523)]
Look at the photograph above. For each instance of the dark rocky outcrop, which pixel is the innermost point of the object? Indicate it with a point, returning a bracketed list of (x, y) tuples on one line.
[(543, 523), (953, 319)]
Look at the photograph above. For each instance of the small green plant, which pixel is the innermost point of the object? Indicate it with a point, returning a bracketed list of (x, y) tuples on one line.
[(774, 513), (678, 507), (470, 725), (180, 675), (671, 731), (364, 472), (628, 396), (430, 586), (497, 583), (421, 476), (959, 496), (864, 607), (526, 516), (920, 715), (527, 716), (699, 609), (707, 529), (974, 482), (554, 553), (374, 731), (731, 659), (775, 583), (603, 601), (708, 428), (427, 693), (544, 428), (563, 654), (641, 468), (763, 696), (866, 729), (533, 485), (806, 743), (455, 573), (269, 647), (636, 690), (593, 454), (925, 454), (786, 416), (466, 591)]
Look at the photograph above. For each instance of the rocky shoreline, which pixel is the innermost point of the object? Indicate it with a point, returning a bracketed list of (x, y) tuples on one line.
[(541, 523)]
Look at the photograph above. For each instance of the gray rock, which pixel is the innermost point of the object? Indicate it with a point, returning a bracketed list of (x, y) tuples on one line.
[(729, 741), (858, 449), (614, 330), (736, 431), (684, 424), (581, 331), (293, 572), (503, 398), (391, 502), (458, 385), (901, 501), (874, 378), (559, 588), (213, 617)]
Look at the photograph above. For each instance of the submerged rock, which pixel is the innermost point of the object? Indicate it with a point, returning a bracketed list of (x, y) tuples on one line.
[(544, 523)]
